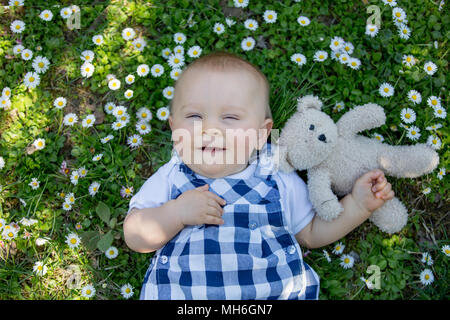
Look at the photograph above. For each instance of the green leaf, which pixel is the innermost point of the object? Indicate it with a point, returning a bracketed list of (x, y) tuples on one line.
[(112, 223), (103, 212), (90, 239), (105, 241)]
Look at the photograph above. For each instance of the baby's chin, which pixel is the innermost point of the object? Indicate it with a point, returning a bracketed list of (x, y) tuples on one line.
[(215, 171)]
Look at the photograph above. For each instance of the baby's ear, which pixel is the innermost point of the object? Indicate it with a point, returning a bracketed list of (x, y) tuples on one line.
[(308, 102)]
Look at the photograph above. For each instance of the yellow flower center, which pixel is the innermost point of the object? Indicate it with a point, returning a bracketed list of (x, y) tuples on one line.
[(128, 34), (429, 68), (372, 29), (195, 51), (439, 111), (73, 241), (40, 143), (407, 116), (346, 260), (176, 60), (413, 132), (119, 112), (144, 115), (179, 38), (336, 43), (111, 252), (270, 16), (163, 113), (338, 248), (427, 277), (88, 121), (39, 268), (398, 14), (94, 188), (434, 141), (87, 57), (70, 119), (31, 79), (414, 97), (434, 102), (18, 27), (251, 25), (386, 89), (134, 140), (142, 70), (87, 69), (10, 234), (169, 93), (27, 55), (408, 59), (157, 70), (88, 291), (138, 45), (60, 103), (98, 40), (143, 127), (353, 63), (127, 290), (405, 31), (46, 15), (321, 56)]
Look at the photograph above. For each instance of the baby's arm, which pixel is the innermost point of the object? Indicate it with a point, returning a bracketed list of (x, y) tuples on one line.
[(149, 229), (370, 192)]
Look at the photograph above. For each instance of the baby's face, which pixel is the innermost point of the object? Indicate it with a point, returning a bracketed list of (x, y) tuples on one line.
[(218, 120)]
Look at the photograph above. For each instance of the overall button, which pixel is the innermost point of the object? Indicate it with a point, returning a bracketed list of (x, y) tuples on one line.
[(291, 249), (164, 259), (252, 225)]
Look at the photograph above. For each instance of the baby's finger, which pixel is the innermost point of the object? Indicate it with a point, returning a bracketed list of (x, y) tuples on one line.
[(211, 219), (214, 204), (384, 191), (215, 197), (380, 185), (389, 196)]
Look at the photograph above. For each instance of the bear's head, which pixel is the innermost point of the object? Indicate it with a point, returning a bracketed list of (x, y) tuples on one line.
[(308, 137)]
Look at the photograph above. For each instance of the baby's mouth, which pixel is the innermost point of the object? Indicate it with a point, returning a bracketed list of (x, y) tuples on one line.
[(212, 149)]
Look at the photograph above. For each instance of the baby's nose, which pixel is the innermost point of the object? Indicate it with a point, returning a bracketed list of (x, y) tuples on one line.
[(212, 132)]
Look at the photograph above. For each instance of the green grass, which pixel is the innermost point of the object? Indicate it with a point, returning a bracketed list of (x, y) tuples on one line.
[(33, 116)]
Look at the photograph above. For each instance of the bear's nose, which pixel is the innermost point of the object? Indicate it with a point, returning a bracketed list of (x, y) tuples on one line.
[(323, 138)]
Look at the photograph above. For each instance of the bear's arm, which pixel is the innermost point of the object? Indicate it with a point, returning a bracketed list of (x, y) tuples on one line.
[(361, 118)]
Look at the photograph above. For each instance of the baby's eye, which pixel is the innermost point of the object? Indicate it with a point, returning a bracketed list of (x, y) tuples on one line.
[(311, 127), (193, 115), (230, 117)]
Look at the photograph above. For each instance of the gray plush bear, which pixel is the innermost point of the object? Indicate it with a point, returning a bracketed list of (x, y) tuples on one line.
[(335, 156)]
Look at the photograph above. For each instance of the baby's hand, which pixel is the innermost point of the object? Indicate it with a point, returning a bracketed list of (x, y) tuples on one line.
[(372, 190), (200, 206)]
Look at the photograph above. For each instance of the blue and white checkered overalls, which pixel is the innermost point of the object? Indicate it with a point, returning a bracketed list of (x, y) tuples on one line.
[(251, 256)]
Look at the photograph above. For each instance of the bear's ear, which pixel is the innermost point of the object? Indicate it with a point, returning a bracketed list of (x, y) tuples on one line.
[(307, 102)]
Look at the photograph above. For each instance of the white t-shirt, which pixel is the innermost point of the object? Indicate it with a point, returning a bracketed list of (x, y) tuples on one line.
[(297, 208)]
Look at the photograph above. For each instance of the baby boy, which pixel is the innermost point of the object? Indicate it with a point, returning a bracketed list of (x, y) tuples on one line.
[(222, 226)]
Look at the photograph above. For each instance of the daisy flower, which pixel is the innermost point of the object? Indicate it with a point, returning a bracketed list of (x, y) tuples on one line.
[(427, 190), (398, 13), (248, 44), (426, 277), (117, 125), (74, 177), (143, 127), (31, 80), (434, 101), (409, 60), (303, 21), (178, 49), (2, 224), (144, 114), (93, 188), (367, 282), (9, 233), (97, 157), (440, 112), (139, 44), (112, 252), (129, 79), (107, 138), (430, 68), (34, 184), (88, 291), (168, 92), (408, 115), (326, 255), (126, 192), (142, 70), (339, 248), (347, 261), (163, 113), (298, 58), (17, 3), (354, 63), (386, 90), (109, 107), (338, 106), (175, 73), (403, 31), (441, 173), (336, 43), (378, 137), (270, 16), (97, 39), (348, 47), (230, 22), (251, 24), (40, 64), (87, 69), (434, 127), (128, 94), (157, 70), (166, 53), (241, 3), (39, 143), (2, 163), (17, 26), (4, 102), (371, 30), (414, 96), (70, 119), (39, 268), (6, 92), (134, 141), (426, 258), (18, 49), (392, 3), (320, 56), (179, 38), (72, 240), (27, 54), (87, 56), (78, 226), (70, 198), (114, 84), (60, 102), (126, 291), (194, 52), (413, 133), (88, 121), (128, 34), (65, 12), (446, 250), (344, 58), (119, 111), (176, 60), (434, 142), (46, 15), (219, 28)]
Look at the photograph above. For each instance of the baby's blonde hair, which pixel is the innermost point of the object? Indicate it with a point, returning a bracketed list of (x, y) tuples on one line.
[(221, 61)]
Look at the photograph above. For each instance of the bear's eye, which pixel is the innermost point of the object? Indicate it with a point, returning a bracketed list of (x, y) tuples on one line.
[(311, 127)]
